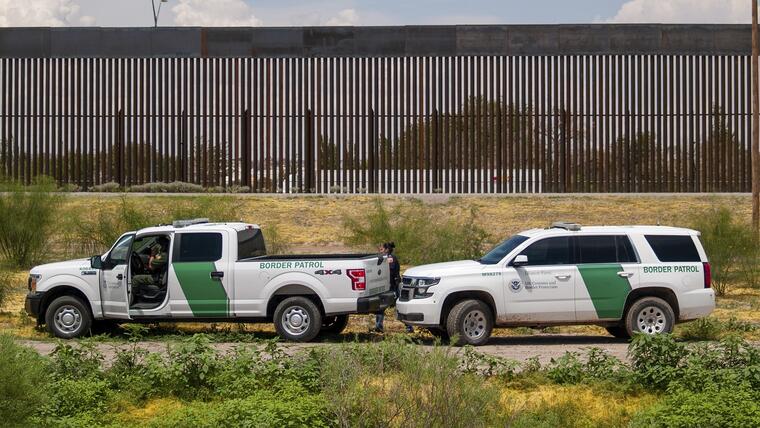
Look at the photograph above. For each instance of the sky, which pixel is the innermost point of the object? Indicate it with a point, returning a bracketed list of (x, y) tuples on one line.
[(137, 13)]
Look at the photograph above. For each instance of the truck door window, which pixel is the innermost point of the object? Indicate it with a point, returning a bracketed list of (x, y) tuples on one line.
[(549, 251), (119, 252), (198, 247)]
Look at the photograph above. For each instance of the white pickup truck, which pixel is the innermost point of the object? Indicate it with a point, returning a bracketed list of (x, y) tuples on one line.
[(212, 272), (627, 279)]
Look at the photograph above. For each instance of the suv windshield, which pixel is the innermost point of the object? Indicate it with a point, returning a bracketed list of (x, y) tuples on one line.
[(494, 256)]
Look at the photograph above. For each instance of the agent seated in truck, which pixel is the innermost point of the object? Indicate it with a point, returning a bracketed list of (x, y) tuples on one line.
[(149, 267)]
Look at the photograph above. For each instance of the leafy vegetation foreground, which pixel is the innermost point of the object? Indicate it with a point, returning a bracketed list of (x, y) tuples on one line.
[(390, 383)]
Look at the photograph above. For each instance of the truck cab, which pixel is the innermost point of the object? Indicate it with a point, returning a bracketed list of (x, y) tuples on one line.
[(200, 271)]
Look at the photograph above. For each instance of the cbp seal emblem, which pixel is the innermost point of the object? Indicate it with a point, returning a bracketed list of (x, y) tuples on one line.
[(515, 285)]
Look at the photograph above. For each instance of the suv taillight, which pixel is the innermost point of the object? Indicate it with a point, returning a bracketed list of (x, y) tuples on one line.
[(708, 274), (358, 279)]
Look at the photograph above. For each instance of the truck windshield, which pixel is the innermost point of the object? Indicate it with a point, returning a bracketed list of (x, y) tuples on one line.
[(494, 256), (251, 244)]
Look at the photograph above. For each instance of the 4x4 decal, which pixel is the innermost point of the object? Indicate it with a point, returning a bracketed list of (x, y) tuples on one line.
[(328, 272)]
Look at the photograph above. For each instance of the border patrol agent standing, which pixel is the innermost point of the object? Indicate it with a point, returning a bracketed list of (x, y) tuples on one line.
[(395, 277)]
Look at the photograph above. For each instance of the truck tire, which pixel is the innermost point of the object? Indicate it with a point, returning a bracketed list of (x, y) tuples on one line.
[(618, 331), (297, 319), (68, 317), (335, 324), (649, 315), (471, 322)]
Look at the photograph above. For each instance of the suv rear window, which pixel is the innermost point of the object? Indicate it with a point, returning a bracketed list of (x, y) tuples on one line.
[(251, 244), (605, 249), (674, 248), (199, 247)]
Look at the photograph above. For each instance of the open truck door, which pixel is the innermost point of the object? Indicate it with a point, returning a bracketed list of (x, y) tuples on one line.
[(114, 279)]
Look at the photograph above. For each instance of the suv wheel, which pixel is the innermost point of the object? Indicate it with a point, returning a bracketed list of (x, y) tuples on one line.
[(471, 321), (649, 315), (68, 317), (335, 324), (297, 319)]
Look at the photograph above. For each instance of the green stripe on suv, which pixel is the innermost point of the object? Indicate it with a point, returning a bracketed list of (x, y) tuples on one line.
[(205, 296), (608, 291)]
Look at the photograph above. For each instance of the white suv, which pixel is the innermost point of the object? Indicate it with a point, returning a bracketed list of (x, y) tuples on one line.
[(626, 278)]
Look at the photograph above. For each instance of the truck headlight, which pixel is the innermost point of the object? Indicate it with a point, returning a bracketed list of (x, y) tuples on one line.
[(32, 282)]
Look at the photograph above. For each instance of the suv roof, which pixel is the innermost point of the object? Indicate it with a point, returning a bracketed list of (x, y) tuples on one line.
[(582, 230), (170, 228)]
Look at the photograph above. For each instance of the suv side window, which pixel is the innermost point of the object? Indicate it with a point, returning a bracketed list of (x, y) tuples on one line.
[(549, 251), (198, 247), (673, 248), (605, 249)]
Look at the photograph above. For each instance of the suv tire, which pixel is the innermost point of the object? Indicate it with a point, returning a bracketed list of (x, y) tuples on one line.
[(297, 319), (649, 315), (335, 324), (471, 322), (68, 317)]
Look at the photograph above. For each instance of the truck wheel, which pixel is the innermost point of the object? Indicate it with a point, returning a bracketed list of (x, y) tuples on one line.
[(649, 315), (335, 324), (618, 331), (471, 322), (297, 319), (68, 317)]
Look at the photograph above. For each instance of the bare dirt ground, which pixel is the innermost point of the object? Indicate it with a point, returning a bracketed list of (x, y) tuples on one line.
[(519, 348)]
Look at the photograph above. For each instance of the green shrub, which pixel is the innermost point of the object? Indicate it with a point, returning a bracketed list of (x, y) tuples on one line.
[(76, 361), (729, 245), (656, 359), (711, 328), (420, 236), (28, 215), (70, 397), (192, 364), (23, 381), (110, 187), (289, 407), (173, 187), (711, 407)]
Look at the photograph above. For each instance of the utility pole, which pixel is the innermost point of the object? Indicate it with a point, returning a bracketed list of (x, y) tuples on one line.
[(755, 126)]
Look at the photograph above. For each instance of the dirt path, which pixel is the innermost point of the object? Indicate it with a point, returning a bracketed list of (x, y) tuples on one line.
[(519, 348)]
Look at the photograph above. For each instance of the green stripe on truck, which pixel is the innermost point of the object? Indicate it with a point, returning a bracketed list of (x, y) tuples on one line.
[(608, 291), (205, 296)]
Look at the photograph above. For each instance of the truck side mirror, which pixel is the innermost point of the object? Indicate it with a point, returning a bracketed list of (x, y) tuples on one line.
[(520, 260), (96, 262)]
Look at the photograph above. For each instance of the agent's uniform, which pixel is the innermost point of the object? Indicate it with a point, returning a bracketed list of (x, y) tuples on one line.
[(150, 285), (395, 278)]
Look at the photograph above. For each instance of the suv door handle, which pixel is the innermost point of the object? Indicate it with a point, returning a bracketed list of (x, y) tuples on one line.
[(625, 274), (217, 275), (119, 277), (562, 276)]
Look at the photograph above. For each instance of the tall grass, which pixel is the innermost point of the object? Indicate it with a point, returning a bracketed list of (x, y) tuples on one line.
[(27, 217), (731, 247), (23, 380), (421, 234), (96, 230)]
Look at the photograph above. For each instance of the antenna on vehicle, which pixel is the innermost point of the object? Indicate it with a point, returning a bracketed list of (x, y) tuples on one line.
[(185, 223)]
